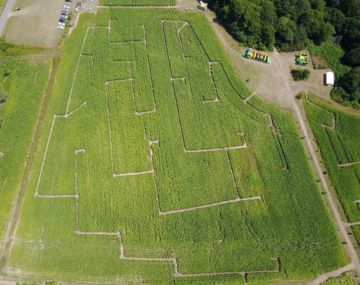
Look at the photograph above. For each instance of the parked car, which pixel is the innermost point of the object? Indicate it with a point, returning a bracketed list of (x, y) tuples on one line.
[(61, 26)]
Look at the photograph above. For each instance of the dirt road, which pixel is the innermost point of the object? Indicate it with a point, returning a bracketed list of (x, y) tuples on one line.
[(322, 278), (5, 15)]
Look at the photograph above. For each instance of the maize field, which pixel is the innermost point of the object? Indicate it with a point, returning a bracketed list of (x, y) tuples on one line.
[(156, 165), (338, 134)]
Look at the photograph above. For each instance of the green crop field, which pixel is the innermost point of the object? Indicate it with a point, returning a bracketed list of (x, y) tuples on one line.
[(138, 2), (156, 167), (338, 134), (22, 85)]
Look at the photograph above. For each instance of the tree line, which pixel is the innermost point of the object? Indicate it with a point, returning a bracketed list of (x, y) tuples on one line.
[(345, 17), (293, 24)]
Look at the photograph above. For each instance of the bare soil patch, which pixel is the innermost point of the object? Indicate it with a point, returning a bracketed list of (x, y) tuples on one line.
[(319, 63), (187, 5)]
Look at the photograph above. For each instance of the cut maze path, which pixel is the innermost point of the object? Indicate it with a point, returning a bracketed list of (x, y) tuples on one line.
[(69, 113)]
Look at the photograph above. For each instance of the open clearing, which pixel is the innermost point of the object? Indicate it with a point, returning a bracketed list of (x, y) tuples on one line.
[(156, 165)]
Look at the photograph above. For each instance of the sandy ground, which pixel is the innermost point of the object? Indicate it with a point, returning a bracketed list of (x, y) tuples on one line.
[(35, 24), (186, 5)]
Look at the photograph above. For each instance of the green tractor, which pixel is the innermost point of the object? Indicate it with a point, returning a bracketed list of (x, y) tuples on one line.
[(302, 59)]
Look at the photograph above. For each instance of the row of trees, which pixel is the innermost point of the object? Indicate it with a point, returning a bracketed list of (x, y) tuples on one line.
[(344, 15), (287, 24), (293, 24)]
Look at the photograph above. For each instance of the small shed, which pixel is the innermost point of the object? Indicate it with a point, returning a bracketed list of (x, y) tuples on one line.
[(330, 78), (203, 5)]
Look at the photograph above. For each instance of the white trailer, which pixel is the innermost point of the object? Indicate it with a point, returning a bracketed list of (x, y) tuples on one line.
[(330, 78)]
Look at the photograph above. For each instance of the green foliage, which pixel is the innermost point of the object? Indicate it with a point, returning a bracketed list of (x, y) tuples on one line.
[(7, 49), (345, 16), (158, 97), (2, 97), (348, 92), (300, 74), (262, 23), (332, 54), (4, 46), (352, 57), (351, 81)]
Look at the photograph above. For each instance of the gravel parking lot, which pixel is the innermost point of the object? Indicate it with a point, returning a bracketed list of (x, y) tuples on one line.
[(35, 23)]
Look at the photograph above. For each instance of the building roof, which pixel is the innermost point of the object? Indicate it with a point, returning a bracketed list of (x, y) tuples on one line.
[(203, 4), (330, 78)]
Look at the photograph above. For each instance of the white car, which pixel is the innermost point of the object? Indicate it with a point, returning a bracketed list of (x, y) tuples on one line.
[(61, 26)]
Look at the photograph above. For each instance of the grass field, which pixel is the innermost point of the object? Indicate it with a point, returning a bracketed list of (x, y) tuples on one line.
[(23, 84), (338, 135), (152, 168)]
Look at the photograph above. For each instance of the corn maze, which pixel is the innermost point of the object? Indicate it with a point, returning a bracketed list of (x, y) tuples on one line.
[(338, 134), (156, 166)]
